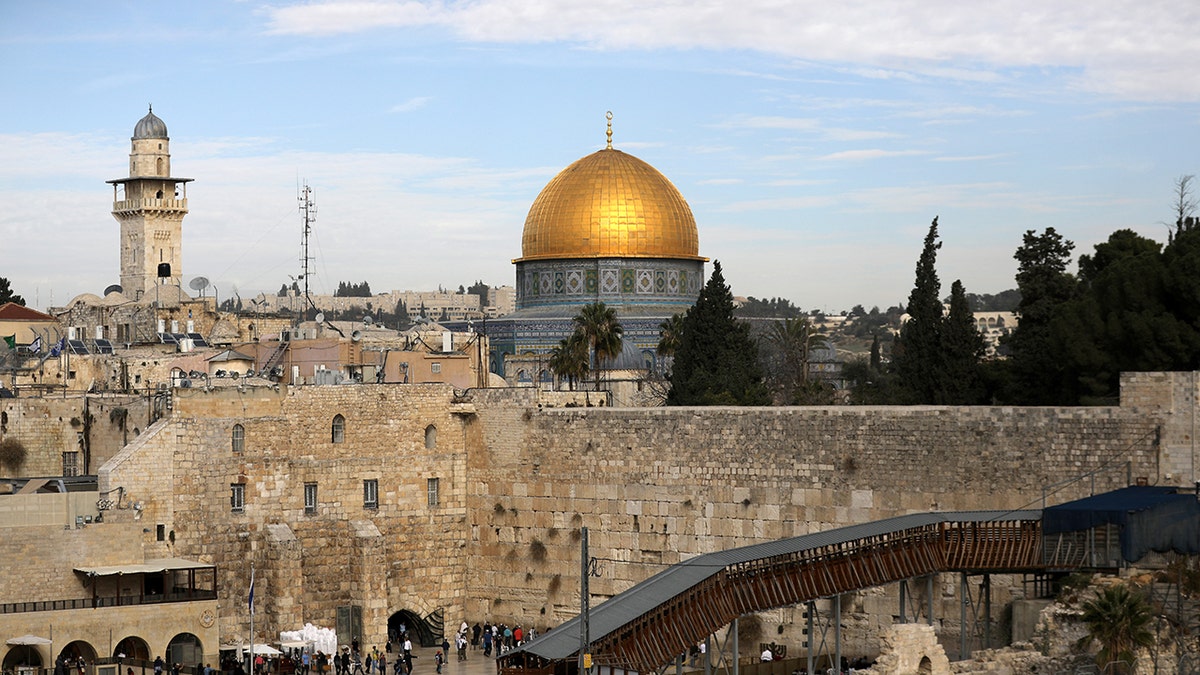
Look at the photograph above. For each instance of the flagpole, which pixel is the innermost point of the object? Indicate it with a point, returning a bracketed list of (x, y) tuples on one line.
[(252, 664)]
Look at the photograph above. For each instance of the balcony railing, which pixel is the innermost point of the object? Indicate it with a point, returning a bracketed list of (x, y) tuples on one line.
[(90, 603), (150, 204)]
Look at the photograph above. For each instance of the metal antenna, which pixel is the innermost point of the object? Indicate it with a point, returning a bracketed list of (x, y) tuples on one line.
[(308, 208)]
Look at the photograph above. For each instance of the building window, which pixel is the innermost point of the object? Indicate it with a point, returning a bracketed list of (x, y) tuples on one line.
[(310, 498), (435, 368), (431, 490), (237, 498), (430, 437), (338, 431), (371, 494), (70, 464), (237, 439)]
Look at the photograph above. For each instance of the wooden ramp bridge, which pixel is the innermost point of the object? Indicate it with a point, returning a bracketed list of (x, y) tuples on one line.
[(647, 627)]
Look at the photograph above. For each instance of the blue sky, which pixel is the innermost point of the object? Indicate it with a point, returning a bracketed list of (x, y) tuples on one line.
[(814, 141)]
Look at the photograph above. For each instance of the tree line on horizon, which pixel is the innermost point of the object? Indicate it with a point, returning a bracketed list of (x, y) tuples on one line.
[(1133, 305)]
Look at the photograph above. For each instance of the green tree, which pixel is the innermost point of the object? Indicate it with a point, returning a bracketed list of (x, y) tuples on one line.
[(1119, 620), (569, 360), (602, 332), (793, 341), (6, 294), (936, 356), (917, 356), (717, 361), (402, 320), (962, 349), (670, 332), (1040, 374)]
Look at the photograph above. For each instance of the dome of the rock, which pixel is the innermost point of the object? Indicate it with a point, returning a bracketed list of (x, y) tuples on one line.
[(610, 204)]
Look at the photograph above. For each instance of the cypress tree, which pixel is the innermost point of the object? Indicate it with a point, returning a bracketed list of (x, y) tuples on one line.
[(916, 357), (962, 347), (717, 360)]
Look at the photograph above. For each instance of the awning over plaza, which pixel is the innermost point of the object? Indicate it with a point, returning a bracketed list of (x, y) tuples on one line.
[(147, 567)]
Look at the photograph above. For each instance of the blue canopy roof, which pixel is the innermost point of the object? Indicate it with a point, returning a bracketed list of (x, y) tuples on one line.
[(1151, 518)]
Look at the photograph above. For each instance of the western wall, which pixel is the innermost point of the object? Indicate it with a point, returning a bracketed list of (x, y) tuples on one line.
[(519, 472)]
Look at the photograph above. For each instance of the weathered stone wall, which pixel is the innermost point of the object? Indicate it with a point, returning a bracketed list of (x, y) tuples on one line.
[(655, 486), (1170, 397), (402, 554), (520, 473), (47, 427), (39, 558)]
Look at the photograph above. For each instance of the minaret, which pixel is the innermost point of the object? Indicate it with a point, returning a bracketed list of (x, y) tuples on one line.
[(150, 205)]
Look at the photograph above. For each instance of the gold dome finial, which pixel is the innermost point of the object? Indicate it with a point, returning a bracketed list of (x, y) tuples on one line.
[(608, 116)]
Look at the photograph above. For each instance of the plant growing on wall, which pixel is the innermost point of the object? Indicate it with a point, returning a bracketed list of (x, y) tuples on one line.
[(12, 454)]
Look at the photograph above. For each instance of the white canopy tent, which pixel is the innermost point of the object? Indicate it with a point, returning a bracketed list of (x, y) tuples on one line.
[(28, 640)]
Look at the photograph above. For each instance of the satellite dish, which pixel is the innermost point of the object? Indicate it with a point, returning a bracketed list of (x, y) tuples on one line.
[(356, 336), (320, 317), (115, 288), (198, 284), (367, 320)]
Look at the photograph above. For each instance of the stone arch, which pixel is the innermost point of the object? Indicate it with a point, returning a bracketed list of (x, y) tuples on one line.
[(430, 437), (132, 647), (22, 655), (425, 632), (185, 648), (925, 667), (76, 649)]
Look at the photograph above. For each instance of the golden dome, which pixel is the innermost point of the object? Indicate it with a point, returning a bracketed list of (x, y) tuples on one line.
[(609, 205)]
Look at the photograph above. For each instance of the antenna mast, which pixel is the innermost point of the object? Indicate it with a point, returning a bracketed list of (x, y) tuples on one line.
[(308, 209)]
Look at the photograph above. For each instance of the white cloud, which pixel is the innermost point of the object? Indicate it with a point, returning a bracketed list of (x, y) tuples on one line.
[(1131, 48), (862, 155), (411, 104)]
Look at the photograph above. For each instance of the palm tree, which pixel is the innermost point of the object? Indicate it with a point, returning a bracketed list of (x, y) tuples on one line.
[(599, 326), (796, 339), (1118, 620), (569, 360), (670, 332)]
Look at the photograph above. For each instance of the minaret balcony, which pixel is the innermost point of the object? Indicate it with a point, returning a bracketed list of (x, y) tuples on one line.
[(150, 205)]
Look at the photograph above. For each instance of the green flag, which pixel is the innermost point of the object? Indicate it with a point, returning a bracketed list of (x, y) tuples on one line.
[(11, 341)]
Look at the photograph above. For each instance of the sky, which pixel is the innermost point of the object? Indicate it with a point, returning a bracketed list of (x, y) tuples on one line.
[(814, 141)]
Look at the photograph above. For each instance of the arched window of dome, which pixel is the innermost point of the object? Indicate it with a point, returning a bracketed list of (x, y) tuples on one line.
[(159, 163), (430, 437), (337, 432), (237, 439)]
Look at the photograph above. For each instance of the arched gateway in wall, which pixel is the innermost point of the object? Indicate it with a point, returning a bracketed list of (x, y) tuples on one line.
[(424, 632)]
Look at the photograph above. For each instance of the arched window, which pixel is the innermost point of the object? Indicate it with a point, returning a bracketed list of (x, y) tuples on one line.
[(430, 437), (185, 648), (237, 440), (338, 432)]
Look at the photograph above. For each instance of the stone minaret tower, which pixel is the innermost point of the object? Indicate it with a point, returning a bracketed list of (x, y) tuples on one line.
[(150, 205)]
